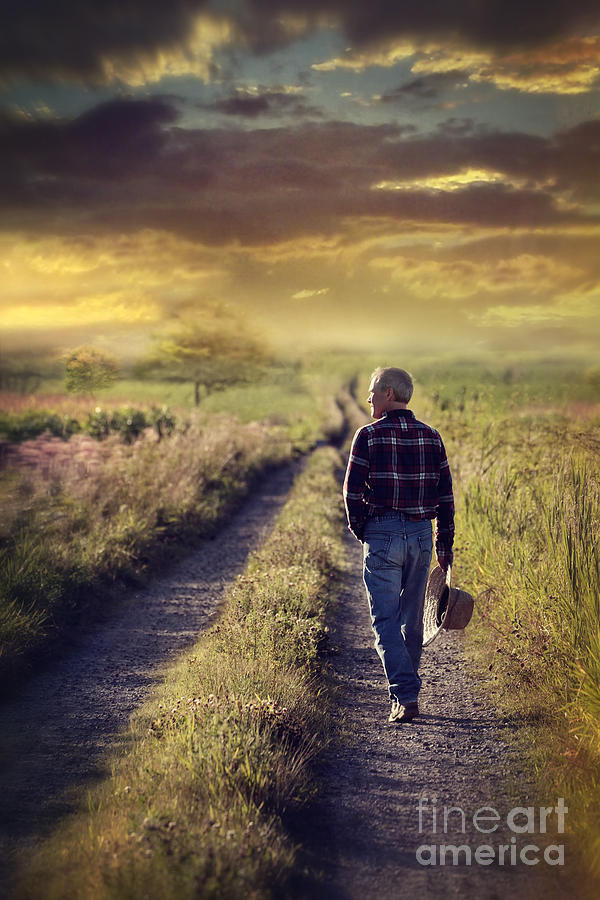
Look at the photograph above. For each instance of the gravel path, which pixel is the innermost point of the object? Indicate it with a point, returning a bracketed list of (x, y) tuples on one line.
[(364, 832), (56, 731)]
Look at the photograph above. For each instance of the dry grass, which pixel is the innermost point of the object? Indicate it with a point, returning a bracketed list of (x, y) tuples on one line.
[(84, 512), (195, 809), (529, 540), (80, 514)]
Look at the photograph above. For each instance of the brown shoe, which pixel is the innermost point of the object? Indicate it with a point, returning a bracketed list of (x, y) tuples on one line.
[(403, 712)]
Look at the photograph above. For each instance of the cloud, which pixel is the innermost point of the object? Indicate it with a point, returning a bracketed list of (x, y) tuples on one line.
[(140, 41), (123, 307), (194, 55), (493, 24), (565, 308), (128, 164), (129, 281), (386, 55), (438, 278), (568, 66), (53, 160), (133, 41), (305, 294), (427, 87), (250, 103), (461, 278), (456, 181)]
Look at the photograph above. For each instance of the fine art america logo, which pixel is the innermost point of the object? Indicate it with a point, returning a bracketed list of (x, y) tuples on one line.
[(522, 821)]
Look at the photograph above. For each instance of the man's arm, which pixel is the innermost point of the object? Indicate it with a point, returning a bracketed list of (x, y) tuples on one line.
[(355, 483), (444, 532)]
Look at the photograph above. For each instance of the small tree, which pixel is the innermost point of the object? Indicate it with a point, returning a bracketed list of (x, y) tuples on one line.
[(209, 349), (88, 370)]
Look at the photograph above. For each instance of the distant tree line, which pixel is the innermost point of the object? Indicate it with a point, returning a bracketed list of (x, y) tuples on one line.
[(209, 346)]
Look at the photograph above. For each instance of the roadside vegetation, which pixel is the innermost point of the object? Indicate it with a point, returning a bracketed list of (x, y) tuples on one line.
[(524, 444), (106, 502), (226, 746), (526, 454)]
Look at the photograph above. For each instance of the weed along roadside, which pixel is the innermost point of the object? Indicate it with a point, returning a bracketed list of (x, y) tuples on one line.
[(528, 516), (86, 518), (195, 807), (532, 546)]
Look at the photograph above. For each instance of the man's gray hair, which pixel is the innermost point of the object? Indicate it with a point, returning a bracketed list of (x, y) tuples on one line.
[(397, 379)]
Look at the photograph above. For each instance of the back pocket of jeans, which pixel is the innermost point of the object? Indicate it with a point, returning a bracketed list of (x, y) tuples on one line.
[(426, 545), (376, 550)]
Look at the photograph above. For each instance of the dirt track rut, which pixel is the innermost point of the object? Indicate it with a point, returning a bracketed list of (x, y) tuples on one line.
[(56, 731)]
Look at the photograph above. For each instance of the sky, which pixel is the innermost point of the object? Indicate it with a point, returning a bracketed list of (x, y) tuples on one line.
[(415, 176)]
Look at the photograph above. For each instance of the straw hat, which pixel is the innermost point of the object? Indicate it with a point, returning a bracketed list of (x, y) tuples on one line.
[(445, 607)]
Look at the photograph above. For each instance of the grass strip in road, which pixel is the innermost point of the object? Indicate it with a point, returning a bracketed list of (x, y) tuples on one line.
[(194, 809)]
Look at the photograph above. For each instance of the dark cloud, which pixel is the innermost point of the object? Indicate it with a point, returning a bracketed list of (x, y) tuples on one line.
[(128, 164), (264, 103), (459, 126), (72, 40), (577, 154), (490, 23), (427, 87), (48, 164)]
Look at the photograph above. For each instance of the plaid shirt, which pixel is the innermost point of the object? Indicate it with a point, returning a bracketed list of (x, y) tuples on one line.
[(400, 463)]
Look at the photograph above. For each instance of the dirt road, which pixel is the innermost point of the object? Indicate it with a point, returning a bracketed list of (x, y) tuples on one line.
[(365, 832), (56, 731)]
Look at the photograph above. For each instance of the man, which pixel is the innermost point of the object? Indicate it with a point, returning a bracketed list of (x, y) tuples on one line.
[(397, 481)]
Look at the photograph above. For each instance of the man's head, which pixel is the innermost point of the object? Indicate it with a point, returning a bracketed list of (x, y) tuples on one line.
[(389, 388)]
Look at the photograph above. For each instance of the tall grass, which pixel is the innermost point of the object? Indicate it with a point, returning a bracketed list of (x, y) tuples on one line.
[(82, 514), (195, 808), (530, 529), (97, 513), (572, 518)]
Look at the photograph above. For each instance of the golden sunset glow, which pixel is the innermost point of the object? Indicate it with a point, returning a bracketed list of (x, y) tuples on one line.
[(566, 308), (338, 177), (569, 67), (357, 61), (194, 57), (93, 310), (454, 182)]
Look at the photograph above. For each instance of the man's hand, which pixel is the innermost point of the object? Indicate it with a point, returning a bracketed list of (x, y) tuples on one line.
[(445, 559)]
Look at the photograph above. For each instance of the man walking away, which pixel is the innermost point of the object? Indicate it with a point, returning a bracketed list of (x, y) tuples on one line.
[(398, 480)]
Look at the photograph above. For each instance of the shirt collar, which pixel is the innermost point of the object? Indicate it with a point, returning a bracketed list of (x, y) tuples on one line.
[(403, 413)]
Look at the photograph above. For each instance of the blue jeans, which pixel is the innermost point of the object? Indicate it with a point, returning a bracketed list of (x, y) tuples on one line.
[(397, 555)]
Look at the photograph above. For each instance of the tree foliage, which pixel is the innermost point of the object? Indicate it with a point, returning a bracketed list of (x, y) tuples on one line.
[(22, 371), (88, 370), (211, 348)]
